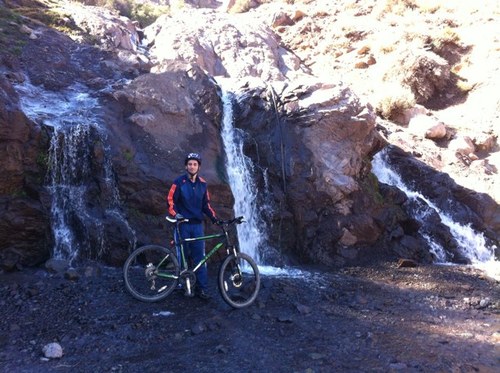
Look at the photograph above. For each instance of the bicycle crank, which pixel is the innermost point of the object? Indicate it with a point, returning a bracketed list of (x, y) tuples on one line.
[(188, 279)]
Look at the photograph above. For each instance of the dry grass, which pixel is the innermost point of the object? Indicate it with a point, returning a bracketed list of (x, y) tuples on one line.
[(393, 100)]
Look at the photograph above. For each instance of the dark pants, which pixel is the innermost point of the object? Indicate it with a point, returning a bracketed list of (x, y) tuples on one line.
[(195, 250)]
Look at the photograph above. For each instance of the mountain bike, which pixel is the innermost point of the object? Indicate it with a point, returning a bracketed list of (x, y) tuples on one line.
[(153, 272)]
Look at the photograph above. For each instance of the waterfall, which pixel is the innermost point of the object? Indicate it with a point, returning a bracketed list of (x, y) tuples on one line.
[(472, 244), (240, 171), (72, 116)]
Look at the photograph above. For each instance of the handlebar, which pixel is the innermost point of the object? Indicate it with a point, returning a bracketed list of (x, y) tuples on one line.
[(238, 220), (174, 220)]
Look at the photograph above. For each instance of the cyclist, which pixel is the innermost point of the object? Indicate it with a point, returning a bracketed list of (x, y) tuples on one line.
[(188, 198)]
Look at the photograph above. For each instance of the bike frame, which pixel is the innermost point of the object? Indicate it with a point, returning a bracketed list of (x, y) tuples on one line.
[(225, 240)]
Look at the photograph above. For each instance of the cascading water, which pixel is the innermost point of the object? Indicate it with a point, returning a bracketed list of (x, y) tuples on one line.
[(252, 235), (471, 243), (72, 116), (240, 170)]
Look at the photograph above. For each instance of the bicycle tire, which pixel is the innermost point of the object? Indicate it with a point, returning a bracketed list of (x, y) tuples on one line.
[(151, 273), (239, 280)]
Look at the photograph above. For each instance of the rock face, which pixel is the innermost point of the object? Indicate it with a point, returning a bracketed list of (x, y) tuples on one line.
[(314, 143), (24, 224), (223, 45), (166, 116)]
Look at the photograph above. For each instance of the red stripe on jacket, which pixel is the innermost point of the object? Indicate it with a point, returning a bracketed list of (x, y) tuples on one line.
[(170, 200)]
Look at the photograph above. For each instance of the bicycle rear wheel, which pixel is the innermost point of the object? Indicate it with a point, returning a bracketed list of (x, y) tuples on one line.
[(239, 280), (151, 273)]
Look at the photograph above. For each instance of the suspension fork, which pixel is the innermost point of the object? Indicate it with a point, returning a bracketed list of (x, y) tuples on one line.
[(179, 247), (230, 247)]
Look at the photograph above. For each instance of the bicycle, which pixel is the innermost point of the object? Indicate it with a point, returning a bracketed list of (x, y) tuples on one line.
[(152, 272)]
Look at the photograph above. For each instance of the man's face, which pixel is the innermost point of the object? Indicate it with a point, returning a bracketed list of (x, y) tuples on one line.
[(192, 167)]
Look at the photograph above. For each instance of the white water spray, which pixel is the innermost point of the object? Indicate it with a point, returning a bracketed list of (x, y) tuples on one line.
[(72, 116), (471, 243), (239, 171)]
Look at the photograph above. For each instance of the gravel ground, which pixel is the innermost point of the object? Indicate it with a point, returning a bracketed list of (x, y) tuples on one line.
[(381, 318)]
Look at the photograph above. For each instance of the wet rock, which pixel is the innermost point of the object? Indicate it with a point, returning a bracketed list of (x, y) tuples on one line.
[(57, 265), (71, 274), (92, 271)]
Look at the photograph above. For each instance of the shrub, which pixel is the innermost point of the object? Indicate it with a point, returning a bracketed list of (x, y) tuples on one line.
[(393, 100)]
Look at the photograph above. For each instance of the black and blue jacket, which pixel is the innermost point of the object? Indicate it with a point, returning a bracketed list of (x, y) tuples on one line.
[(190, 199)]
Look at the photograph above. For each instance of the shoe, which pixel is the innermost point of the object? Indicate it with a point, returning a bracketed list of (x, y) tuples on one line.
[(202, 294)]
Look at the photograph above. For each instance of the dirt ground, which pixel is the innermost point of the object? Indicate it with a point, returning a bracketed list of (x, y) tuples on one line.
[(357, 319)]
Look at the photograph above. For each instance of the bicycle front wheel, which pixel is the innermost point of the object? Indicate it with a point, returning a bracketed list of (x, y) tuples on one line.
[(239, 280), (151, 273)]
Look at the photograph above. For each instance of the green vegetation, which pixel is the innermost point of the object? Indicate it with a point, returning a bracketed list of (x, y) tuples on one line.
[(42, 160), (19, 193), (128, 154), (370, 185)]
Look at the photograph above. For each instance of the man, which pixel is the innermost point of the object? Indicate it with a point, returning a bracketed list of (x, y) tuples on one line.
[(188, 198)]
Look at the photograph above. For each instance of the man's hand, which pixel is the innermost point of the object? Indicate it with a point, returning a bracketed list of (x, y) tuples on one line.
[(179, 217), (218, 221)]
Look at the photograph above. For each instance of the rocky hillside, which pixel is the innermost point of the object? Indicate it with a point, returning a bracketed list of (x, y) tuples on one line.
[(374, 46), (314, 79)]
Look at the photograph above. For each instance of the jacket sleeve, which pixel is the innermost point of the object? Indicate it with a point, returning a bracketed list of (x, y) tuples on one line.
[(171, 198), (207, 208)]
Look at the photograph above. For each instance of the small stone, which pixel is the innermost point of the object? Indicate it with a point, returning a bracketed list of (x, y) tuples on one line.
[(256, 316), (53, 350), (304, 310), (285, 319), (398, 366), (198, 329), (361, 65), (407, 263), (221, 349), (483, 303)]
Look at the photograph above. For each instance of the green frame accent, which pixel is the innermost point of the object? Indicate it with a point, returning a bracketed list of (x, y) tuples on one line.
[(207, 256), (222, 236), (224, 240)]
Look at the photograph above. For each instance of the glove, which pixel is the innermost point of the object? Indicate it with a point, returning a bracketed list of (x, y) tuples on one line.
[(217, 221), (179, 217)]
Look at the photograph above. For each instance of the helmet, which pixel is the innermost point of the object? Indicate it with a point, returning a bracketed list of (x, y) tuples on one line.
[(192, 156)]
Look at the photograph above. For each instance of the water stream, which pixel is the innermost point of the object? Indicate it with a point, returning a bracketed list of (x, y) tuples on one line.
[(252, 235), (472, 244), (73, 117), (240, 169)]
